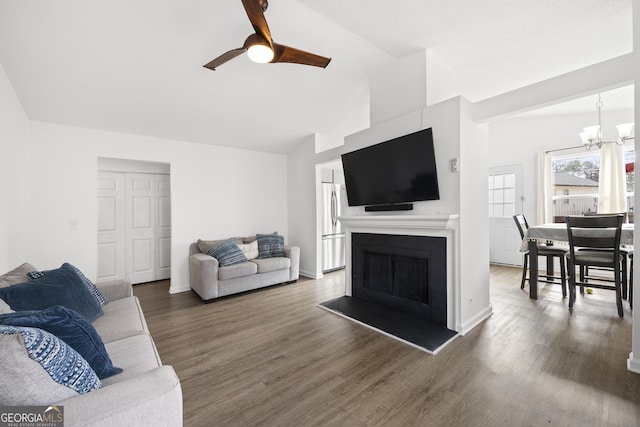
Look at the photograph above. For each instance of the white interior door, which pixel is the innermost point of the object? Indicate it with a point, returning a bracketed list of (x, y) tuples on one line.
[(111, 226), (163, 227), (140, 227), (505, 200)]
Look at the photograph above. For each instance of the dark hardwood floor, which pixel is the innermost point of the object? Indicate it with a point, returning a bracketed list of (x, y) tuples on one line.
[(272, 358)]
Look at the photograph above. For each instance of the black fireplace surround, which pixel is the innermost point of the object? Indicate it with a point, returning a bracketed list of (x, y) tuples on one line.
[(402, 273)]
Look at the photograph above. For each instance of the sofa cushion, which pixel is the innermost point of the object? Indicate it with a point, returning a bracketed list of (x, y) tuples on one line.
[(4, 307), (270, 245), (63, 365), (58, 287), (71, 328), (23, 381), (122, 318), (237, 270), (272, 264), (250, 250), (34, 275), (227, 253), (136, 355), (17, 275)]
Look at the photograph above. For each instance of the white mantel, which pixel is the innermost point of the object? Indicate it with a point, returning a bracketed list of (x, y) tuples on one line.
[(447, 226)]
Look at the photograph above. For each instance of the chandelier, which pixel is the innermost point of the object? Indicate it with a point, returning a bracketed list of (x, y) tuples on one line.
[(591, 136)]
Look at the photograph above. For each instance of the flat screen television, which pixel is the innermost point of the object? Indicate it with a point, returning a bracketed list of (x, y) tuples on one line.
[(397, 171)]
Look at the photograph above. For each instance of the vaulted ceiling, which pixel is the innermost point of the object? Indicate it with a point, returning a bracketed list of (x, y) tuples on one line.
[(136, 66)]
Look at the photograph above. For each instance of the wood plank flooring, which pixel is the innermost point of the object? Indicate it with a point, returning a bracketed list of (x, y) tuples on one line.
[(272, 358)]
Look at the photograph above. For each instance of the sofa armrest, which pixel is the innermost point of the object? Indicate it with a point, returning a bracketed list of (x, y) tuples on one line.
[(203, 274), (115, 289), (293, 252), (153, 398)]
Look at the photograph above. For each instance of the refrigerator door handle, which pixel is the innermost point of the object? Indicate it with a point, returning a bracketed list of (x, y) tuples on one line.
[(334, 209)]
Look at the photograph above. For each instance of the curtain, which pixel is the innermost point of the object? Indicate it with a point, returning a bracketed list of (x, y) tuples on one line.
[(545, 188), (612, 197)]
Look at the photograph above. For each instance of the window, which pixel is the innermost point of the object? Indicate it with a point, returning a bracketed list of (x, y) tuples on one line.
[(502, 195), (575, 183)]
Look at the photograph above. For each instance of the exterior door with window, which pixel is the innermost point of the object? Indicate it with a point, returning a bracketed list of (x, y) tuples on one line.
[(505, 200)]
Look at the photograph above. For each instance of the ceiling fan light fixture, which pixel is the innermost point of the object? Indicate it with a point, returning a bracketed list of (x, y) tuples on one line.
[(260, 53)]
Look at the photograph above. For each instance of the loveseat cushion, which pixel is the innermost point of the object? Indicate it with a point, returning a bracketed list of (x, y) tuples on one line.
[(17, 275), (58, 287), (27, 354), (204, 245), (73, 329), (237, 270), (122, 318), (272, 264)]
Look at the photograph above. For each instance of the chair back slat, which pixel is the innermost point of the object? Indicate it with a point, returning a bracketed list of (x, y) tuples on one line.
[(599, 232), (522, 224)]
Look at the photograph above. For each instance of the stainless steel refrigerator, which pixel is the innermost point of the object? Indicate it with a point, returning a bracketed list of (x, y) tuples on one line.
[(333, 238)]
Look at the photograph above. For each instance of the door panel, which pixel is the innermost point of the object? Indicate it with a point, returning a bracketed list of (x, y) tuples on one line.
[(140, 252), (163, 227), (111, 226), (505, 200)]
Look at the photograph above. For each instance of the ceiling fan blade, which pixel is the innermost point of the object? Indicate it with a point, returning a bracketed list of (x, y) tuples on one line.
[(254, 9), (289, 54), (227, 56)]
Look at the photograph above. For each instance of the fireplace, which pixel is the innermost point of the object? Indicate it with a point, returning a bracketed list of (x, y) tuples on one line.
[(404, 273)]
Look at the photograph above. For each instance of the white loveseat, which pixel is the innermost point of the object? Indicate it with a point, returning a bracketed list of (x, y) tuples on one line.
[(210, 280)]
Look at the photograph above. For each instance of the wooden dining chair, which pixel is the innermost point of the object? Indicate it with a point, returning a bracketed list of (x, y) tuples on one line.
[(594, 241), (546, 250)]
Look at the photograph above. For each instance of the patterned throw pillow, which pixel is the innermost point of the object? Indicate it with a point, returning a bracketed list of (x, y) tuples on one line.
[(270, 245), (73, 329), (102, 300), (227, 253), (62, 363)]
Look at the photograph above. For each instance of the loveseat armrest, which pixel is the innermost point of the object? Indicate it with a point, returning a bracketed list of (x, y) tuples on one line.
[(293, 253), (203, 275), (153, 398), (116, 289)]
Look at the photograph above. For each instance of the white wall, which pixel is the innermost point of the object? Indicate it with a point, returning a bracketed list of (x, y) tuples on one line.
[(519, 140), (14, 176), (475, 305), (216, 192), (399, 88)]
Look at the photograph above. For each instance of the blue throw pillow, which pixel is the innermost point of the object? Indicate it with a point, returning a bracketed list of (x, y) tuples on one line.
[(62, 363), (57, 287), (102, 300), (71, 328), (227, 253), (270, 245)]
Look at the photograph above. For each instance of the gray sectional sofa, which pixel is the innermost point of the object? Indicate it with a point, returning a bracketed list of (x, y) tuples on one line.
[(146, 393), (210, 280)]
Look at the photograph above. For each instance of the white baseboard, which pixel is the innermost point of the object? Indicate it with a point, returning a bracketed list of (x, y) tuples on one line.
[(467, 326), (178, 289), (310, 275), (633, 364)]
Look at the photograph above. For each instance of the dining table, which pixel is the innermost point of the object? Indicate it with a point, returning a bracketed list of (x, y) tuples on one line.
[(554, 233)]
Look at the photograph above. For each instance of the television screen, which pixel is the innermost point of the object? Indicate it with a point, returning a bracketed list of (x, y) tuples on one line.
[(400, 170)]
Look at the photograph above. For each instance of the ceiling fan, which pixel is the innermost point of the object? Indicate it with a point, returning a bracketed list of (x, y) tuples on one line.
[(260, 46)]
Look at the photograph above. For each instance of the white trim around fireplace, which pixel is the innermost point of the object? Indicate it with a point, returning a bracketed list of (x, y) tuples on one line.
[(447, 226)]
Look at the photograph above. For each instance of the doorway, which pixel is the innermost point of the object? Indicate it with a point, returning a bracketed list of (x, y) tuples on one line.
[(505, 200), (134, 220)]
